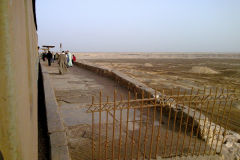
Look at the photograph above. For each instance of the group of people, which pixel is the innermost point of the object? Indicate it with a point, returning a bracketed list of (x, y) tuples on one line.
[(65, 59)]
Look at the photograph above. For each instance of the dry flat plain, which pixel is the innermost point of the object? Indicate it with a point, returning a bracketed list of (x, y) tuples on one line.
[(177, 70)]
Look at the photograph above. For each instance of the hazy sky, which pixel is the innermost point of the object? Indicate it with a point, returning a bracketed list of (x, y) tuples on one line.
[(140, 25)]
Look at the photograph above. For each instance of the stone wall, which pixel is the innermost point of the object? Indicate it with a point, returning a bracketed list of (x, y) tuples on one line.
[(56, 129), (121, 78), (18, 80)]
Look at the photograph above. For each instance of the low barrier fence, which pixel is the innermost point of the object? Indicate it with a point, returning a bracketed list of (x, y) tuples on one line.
[(180, 123)]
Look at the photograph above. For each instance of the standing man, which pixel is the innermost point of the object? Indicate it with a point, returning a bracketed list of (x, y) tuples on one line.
[(62, 61), (49, 57), (69, 59)]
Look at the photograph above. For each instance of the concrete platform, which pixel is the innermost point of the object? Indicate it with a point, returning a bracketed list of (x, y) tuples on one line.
[(73, 91)]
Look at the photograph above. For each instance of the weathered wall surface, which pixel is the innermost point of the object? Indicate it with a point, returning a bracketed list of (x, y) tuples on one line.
[(18, 80)]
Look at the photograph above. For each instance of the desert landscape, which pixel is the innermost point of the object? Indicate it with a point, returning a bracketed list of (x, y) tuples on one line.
[(167, 71)]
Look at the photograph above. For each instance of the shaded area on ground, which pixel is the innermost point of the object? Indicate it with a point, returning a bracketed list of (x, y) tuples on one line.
[(43, 138)]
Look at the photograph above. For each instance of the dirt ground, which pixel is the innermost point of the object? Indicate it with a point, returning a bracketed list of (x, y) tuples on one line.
[(183, 73)]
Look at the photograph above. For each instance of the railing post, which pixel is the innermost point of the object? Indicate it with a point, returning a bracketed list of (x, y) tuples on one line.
[(224, 109), (201, 103), (186, 125), (140, 125), (204, 124), (146, 130), (226, 126), (120, 135), (114, 115), (154, 117), (190, 140), (180, 125), (174, 123), (126, 138), (166, 134), (100, 124), (134, 117), (209, 128), (216, 123), (160, 124), (92, 130), (106, 141)]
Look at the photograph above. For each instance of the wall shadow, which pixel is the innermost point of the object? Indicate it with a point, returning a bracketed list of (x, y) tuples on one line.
[(43, 137)]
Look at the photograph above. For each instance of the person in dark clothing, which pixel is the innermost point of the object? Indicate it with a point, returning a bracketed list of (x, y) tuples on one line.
[(43, 56), (49, 57)]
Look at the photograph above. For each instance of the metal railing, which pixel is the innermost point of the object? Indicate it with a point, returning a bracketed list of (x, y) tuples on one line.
[(182, 123)]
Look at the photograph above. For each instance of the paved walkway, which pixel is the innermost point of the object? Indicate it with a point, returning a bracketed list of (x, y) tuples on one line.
[(75, 89)]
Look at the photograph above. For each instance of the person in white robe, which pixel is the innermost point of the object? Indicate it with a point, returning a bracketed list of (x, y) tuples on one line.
[(69, 59)]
